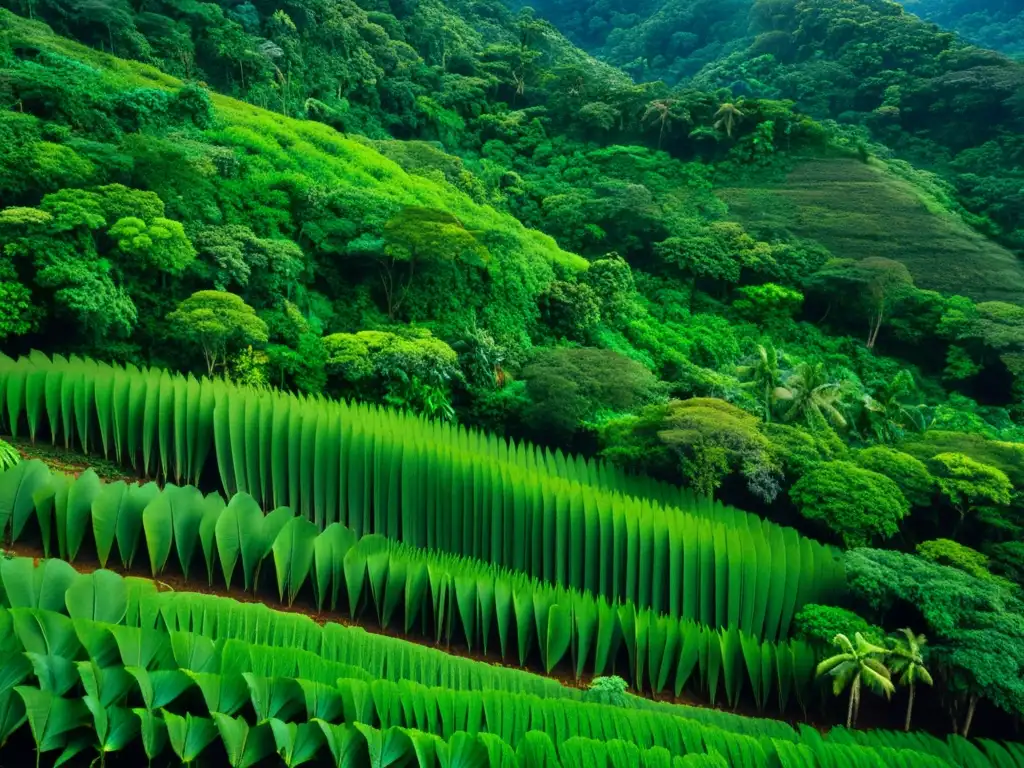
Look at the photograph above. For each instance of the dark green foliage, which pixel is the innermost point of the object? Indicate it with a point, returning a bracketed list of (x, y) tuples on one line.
[(568, 387), (857, 505), (973, 625)]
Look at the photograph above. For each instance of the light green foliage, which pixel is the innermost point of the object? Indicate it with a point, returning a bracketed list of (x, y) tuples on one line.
[(713, 438), (769, 304), (16, 310), (956, 555), (909, 473), (9, 456), (406, 369), (158, 244), (217, 322), (607, 690), (856, 504), (821, 623), (812, 396), (967, 483)]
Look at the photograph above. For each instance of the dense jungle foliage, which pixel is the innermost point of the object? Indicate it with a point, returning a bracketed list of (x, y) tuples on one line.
[(634, 241)]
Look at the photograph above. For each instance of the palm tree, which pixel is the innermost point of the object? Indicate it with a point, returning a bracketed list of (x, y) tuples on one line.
[(727, 116), (858, 662), (908, 662), (662, 112), (888, 415), (763, 375), (813, 397)]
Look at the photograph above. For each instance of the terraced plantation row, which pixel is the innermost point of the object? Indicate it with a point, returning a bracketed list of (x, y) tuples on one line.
[(463, 541), (376, 471), (106, 667), (442, 597)]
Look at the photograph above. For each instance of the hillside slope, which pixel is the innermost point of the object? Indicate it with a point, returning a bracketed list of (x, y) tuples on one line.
[(857, 210), (228, 163)]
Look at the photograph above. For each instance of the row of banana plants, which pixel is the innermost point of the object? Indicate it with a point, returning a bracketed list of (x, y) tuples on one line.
[(154, 633), (441, 596), (377, 471), (158, 421), (118, 667)]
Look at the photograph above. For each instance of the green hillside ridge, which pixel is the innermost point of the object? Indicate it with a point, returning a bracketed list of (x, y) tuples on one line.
[(859, 210)]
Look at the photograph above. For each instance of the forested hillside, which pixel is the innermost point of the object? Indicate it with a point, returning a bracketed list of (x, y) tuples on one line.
[(995, 24), (684, 368)]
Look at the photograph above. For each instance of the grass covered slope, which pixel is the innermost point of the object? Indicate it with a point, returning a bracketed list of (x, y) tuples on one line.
[(859, 210)]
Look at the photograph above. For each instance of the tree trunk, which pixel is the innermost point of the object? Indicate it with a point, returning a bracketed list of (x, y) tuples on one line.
[(970, 716), (853, 698), (910, 708)]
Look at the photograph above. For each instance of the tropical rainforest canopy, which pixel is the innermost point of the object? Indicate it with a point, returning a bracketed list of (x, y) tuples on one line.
[(450, 301)]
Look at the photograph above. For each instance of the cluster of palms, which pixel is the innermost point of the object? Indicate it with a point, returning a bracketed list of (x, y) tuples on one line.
[(807, 393), (861, 663)]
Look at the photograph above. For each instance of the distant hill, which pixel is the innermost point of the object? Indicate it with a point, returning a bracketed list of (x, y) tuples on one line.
[(995, 24)]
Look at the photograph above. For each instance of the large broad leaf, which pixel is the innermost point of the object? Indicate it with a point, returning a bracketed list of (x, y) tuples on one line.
[(54, 673), (106, 508), (213, 506), (158, 524), (102, 596), (115, 727), (129, 519), (328, 563), (225, 693), (238, 533), (81, 494), (12, 713), (296, 743), (244, 745), (273, 697), (188, 735), (17, 488), (50, 717), (347, 745), (44, 587), (152, 732), (293, 556), (107, 685), (159, 687)]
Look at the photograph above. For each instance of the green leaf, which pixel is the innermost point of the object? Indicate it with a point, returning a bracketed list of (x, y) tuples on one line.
[(27, 586), (245, 746), (293, 556), (101, 595), (81, 494), (152, 732), (18, 485), (296, 743), (238, 532), (188, 735), (50, 718)]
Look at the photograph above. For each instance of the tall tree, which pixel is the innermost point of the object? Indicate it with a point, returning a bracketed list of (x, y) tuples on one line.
[(908, 663), (217, 321)]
